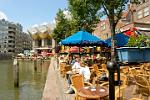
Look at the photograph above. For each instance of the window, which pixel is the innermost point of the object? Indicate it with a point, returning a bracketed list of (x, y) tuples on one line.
[(103, 26), (10, 36), (146, 11), (147, 22), (10, 50), (142, 1), (139, 14)]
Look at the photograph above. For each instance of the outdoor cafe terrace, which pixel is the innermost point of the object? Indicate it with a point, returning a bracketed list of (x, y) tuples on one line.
[(135, 82), (132, 82)]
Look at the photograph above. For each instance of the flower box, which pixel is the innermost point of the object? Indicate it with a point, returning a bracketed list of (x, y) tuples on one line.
[(133, 54)]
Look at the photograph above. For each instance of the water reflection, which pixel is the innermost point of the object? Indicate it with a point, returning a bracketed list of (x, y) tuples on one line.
[(31, 83)]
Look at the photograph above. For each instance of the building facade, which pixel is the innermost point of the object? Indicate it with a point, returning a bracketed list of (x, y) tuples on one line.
[(137, 15), (41, 36), (102, 30), (11, 41)]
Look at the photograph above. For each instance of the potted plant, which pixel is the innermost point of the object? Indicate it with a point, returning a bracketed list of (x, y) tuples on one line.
[(137, 50)]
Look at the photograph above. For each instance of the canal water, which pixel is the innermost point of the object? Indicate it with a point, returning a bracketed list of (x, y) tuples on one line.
[(31, 82)]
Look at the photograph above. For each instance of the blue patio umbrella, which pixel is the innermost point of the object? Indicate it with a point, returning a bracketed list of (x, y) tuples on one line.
[(82, 38), (120, 38)]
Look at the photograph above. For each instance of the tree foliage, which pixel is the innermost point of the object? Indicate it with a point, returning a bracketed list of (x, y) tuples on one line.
[(139, 41), (63, 27), (84, 16), (114, 9), (84, 13)]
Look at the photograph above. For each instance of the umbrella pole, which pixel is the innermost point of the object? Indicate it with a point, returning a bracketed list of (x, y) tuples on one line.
[(71, 53), (93, 55), (79, 52)]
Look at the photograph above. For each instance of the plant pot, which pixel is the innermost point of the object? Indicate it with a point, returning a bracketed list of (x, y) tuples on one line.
[(133, 54), (147, 55)]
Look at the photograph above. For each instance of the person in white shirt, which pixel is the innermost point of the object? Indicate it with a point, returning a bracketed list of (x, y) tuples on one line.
[(76, 66), (85, 71)]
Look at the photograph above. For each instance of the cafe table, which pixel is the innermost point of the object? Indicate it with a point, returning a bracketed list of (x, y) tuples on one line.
[(88, 92), (71, 72)]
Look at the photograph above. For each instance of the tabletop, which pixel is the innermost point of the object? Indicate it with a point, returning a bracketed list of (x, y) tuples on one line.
[(93, 93), (71, 72)]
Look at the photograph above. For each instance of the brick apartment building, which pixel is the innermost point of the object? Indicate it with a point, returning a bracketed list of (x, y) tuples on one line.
[(136, 16)]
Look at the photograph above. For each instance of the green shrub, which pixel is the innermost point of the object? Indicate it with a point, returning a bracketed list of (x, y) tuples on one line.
[(139, 41)]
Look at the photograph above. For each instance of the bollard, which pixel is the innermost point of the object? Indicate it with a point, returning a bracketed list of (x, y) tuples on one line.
[(41, 64), (42, 60), (35, 64), (111, 66), (16, 73)]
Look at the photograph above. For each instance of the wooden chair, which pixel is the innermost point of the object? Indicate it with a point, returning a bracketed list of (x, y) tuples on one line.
[(133, 72), (96, 70), (104, 68), (92, 77), (62, 69), (98, 73), (78, 82), (119, 91), (124, 70), (143, 85), (136, 99), (147, 68)]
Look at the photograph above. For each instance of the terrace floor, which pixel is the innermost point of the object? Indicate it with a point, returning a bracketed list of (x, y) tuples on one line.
[(56, 86)]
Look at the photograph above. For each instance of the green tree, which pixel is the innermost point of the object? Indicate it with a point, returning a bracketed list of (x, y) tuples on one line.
[(63, 27), (113, 9), (84, 14)]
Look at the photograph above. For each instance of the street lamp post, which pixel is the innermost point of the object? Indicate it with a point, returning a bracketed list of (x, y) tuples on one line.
[(111, 66)]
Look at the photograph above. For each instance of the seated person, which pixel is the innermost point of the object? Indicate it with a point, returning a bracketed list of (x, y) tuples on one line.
[(61, 59), (85, 71), (73, 60), (76, 66), (103, 77)]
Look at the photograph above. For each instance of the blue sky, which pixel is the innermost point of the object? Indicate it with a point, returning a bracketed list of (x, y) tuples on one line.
[(31, 12)]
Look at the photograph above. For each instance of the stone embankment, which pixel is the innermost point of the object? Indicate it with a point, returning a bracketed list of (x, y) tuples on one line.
[(53, 89)]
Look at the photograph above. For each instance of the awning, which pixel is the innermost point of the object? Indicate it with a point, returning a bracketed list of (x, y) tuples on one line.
[(43, 48)]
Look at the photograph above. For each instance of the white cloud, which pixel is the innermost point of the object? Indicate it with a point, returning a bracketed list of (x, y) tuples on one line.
[(53, 21), (3, 16), (36, 25), (44, 23)]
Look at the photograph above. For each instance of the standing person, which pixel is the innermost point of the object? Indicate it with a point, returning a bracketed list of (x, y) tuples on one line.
[(85, 71)]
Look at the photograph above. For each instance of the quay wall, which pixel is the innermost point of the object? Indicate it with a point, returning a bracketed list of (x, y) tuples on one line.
[(53, 89), (4, 56)]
